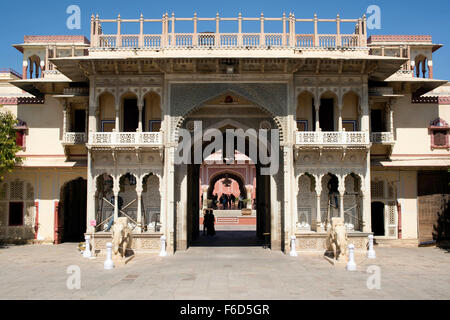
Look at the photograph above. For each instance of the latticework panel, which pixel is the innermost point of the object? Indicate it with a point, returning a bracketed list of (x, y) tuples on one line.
[(377, 189), (16, 190)]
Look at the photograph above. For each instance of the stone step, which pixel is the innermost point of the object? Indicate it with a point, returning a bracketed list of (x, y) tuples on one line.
[(390, 243), (230, 213)]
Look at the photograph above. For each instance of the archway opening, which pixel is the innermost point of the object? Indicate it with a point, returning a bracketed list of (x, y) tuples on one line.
[(248, 222), (151, 203), (72, 211), (228, 182), (327, 112), (329, 199), (377, 218)]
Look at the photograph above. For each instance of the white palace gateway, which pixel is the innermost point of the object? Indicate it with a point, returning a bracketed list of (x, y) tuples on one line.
[(361, 131)]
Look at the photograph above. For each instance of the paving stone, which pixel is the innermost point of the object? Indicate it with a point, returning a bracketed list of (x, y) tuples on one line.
[(40, 272)]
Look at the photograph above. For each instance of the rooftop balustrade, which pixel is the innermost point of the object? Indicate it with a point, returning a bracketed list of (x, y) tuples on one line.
[(287, 37)]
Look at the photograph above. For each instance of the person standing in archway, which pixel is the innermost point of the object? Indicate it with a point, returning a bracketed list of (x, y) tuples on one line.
[(210, 223), (241, 201), (214, 201), (205, 221), (232, 200)]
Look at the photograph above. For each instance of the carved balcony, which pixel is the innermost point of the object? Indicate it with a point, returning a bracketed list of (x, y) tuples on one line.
[(332, 138), (125, 139), (73, 138), (382, 138)]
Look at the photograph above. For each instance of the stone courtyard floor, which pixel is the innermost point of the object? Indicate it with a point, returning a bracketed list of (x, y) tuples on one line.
[(222, 272)]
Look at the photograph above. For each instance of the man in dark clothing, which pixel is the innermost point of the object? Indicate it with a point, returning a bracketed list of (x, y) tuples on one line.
[(215, 201), (210, 223), (232, 200), (225, 201)]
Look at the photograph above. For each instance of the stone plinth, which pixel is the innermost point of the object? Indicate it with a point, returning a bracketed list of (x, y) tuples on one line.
[(142, 242), (316, 241)]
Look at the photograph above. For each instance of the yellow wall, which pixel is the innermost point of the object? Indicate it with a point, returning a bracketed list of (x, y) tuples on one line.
[(47, 185), (408, 199), (411, 122)]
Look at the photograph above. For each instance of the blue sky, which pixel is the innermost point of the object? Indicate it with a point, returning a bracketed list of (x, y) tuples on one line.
[(43, 17)]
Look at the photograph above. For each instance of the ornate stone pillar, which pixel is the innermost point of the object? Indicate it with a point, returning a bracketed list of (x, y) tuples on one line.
[(430, 69), (139, 205), (340, 116), (65, 107), (91, 193), (391, 120), (341, 203), (205, 196), (319, 226), (116, 190), (93, 107), (24, 69), (365, 198), (341, 190), (365, 107), (140, 107), (317, 108), (162, 210), (249, 196), (117, 127)]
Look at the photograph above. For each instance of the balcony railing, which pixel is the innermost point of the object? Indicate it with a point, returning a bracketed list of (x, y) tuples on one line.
[(74, 138), (125, 138), (382, 137), (311, 138), (286, 37)]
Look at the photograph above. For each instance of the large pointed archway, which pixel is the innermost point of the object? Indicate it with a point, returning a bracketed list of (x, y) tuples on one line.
[(244, 114)]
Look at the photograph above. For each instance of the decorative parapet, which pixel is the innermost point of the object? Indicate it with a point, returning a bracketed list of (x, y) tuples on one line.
[(76, 91), (8, 100), (30, 100), (332, 138), (56, 39), (74, 138), (444, 100), (112, 139), (382, 137), (399, 38), (403, 72), (431, 99), (21, 100)]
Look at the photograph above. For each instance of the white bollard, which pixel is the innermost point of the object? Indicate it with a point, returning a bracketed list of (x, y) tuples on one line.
[(293, 252), (351, 265), (163, 252), (109, 264), (87, 250), (371, 253)]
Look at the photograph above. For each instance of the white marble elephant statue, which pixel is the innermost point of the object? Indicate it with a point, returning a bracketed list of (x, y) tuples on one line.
[(337, 238), (121, 236)]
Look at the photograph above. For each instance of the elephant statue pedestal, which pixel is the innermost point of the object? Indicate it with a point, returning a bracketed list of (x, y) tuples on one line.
[(121, 241), (336, 242)]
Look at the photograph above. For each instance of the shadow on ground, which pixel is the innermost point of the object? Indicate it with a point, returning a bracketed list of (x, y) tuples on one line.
[(229, 239)]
